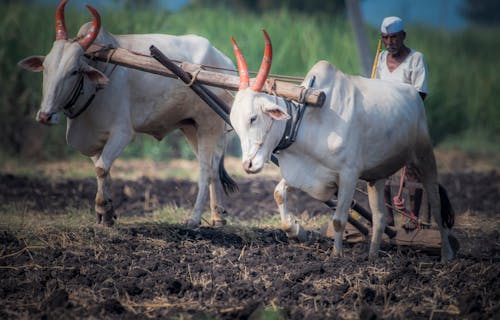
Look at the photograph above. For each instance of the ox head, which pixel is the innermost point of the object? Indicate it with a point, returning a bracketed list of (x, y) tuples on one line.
[(257, 117), (64, 67)]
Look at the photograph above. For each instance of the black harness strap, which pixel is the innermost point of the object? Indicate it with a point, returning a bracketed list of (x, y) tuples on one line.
[(70, 109), (296, 112), (287, 139)]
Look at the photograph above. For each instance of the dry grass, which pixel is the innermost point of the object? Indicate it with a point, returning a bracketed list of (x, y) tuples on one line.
[(127, 169), (448, 161)]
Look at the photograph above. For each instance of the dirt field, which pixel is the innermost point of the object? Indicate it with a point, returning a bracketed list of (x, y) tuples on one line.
[(163, 270)]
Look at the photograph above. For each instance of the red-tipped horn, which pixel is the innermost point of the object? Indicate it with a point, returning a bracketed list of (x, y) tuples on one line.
[(86, 41), (265, 66), (61, 33), (242, 66)]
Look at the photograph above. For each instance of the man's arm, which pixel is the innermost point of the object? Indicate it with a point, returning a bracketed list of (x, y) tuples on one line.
[(419, 75)]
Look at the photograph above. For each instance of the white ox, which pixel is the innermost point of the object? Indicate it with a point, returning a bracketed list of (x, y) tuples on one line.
[(367, 129), (131, 101)]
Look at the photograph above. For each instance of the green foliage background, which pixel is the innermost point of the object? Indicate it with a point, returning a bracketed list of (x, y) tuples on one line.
[(462, 106)]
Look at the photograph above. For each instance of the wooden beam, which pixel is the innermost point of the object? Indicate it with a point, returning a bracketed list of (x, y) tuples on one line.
[(148, 64)]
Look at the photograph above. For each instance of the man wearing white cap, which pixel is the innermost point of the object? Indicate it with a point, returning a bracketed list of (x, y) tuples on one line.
[(401, 64), (398, 62)]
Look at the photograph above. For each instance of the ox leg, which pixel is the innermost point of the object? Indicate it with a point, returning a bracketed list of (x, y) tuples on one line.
[(203, 143), (432, 189), (377, 206), (217, 207), (347, 185), (103, 202), (425, 213), (427, 172), (291, 228)]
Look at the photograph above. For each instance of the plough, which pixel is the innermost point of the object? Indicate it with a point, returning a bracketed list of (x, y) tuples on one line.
[(196, 77)]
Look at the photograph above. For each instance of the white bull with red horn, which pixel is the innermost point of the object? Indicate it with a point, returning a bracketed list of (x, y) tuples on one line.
[(106, 105), (367, 129)]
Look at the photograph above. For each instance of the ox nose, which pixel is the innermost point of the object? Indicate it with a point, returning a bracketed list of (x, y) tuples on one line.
[(42, 117), (247, 166)]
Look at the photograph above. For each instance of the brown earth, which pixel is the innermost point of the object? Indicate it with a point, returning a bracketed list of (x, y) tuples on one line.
[(162, 270)]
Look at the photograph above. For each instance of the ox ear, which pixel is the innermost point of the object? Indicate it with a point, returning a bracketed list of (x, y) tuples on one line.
[(95, 75), (32, 63), (276, 111)]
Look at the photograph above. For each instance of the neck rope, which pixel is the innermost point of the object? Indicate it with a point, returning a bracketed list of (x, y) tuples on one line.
[(73, 110), (296, 112)]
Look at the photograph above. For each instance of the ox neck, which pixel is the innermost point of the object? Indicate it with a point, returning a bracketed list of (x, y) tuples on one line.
[(296, 113), (71, 109)]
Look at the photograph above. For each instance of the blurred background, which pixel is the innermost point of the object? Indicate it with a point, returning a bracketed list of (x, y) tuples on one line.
[(460, 39)]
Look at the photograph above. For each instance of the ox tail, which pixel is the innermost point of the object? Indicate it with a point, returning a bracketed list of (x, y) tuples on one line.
[(228, 184), (447, 212)]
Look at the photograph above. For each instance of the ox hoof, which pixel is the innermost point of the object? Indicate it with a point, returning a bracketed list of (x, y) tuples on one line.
[(108, 222), (218, 222), (302, 235), (455, 245), (449, 253), (192, 224), (373, 255), (338, 252), (296, 231), (105, 219), (105, 213)]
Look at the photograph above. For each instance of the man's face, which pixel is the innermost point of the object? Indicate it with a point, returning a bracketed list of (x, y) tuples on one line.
[(393, 42)]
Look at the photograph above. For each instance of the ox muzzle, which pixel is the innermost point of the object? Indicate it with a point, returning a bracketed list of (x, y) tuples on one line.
[(47, 118)]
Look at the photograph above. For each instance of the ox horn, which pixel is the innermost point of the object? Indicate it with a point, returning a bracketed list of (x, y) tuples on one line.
[(87, 40), (242, 66), (61, 33), (265, 66)]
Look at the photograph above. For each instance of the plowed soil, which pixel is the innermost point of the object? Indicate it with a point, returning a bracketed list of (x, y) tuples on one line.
[(164, 270)]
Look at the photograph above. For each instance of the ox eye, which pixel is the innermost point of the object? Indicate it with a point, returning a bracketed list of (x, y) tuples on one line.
[(74, 73), (252, 119)]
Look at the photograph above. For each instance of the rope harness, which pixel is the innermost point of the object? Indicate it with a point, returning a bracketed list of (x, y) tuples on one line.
[(400, 203), (70, 109), (292, 125), (296, 112)]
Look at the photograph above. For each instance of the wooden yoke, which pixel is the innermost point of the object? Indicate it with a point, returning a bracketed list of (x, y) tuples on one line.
[(147, 63)]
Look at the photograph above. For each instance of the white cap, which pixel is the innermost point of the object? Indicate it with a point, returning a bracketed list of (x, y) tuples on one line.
[(391, 25)]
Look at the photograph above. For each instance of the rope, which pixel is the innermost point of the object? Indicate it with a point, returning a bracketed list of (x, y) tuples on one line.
[(399, 201), (401, 212), (193, 78)]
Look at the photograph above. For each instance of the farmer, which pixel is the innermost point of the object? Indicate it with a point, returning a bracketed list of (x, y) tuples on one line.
[(398, 62), (402, 64)]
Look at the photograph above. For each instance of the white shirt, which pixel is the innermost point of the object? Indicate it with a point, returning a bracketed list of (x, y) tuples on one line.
[(413, 70)]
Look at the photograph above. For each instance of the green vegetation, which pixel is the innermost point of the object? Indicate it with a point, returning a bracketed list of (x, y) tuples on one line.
[(464, 90)]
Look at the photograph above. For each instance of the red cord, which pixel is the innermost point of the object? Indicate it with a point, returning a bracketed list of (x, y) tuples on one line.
[(399, 201)]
